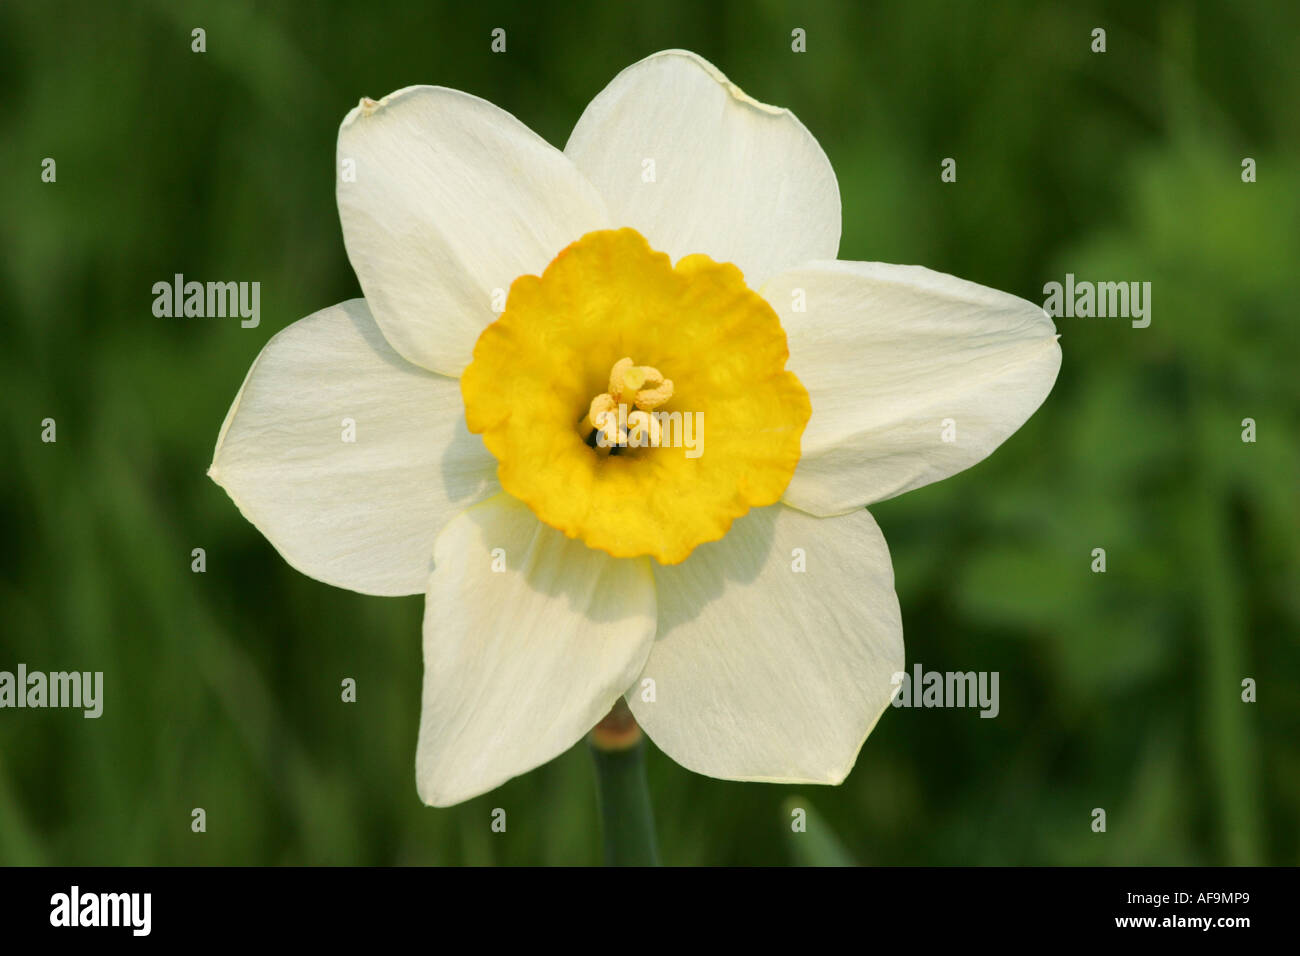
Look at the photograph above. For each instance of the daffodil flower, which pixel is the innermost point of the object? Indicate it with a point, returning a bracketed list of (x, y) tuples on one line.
[(677, 256)]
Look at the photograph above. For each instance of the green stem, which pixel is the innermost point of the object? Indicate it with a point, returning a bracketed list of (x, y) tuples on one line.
[(626, 819)]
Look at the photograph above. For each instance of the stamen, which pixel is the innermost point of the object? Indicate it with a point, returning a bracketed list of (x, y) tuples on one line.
[(639, 385), (633, 386), (602, 419), (649, 398)]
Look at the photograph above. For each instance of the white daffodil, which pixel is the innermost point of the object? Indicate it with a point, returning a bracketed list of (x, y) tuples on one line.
[(677, 256)]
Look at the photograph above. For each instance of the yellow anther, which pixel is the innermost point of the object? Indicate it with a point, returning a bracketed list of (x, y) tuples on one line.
[(616, 375), (621, 416), (642, 386), (599, 405), (649, 398), (602, 415)]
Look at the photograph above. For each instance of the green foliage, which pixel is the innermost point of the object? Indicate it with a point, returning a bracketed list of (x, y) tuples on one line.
[(1118, 690)]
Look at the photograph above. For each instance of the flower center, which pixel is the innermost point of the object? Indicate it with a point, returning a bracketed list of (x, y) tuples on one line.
[(628, 470), (624, 416)]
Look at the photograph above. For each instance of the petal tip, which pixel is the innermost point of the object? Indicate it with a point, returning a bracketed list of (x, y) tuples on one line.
[(430, 797), (368, 107), (736, 92)]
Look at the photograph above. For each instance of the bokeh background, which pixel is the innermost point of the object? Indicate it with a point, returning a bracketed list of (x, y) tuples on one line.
[(1119, 690)]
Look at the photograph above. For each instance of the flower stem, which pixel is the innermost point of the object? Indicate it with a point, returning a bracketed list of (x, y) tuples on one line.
[(628, 825)]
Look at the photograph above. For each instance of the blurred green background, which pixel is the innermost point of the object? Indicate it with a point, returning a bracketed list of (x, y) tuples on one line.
[(1118, 690)]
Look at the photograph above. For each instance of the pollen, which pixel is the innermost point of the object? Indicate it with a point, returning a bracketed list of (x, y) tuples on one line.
[(639, 387)]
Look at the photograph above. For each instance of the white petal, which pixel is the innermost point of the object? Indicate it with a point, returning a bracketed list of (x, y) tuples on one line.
[(889, 354), (361, 515), (762, 672), (520, 663), (733, 178), (452, 199)]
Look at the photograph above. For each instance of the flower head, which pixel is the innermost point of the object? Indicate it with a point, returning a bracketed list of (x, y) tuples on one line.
[(647, 476), (547, 374)]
